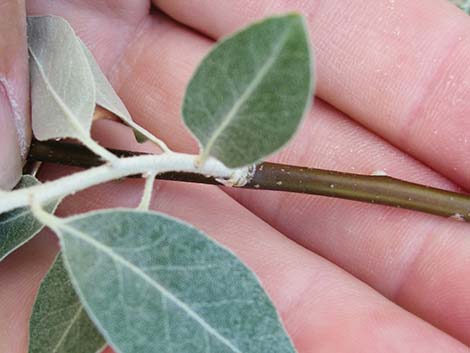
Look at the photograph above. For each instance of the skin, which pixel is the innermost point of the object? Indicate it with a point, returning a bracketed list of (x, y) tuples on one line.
[(14, 120), (393, 79)]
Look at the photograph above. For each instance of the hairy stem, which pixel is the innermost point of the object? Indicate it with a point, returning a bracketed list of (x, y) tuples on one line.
[(148, 190), (123, 167), (382, 190)]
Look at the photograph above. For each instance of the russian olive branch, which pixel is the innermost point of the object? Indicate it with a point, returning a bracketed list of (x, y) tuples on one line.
[(383, 190), (122, 167)]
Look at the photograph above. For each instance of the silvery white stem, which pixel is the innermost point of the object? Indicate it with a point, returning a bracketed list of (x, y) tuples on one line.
[(167, 162)]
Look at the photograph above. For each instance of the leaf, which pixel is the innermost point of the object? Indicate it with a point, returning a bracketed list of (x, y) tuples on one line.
[(62, 84), (105, 94), (249, 94), (139, 137), (107, 97), (59, 323), (154, 284), (19, 225)]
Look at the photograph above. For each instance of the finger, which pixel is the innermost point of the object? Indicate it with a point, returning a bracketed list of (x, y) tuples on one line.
[(14, 123), (389, 249), (154, 96), (106, 27), (399, 67), (108, 10), (323, 307)]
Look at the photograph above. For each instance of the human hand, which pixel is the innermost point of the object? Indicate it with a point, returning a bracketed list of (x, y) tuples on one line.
[(14, 119), (364, 278)]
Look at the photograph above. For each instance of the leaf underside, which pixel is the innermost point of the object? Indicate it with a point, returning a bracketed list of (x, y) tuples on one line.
[(249, 94), (106, 96), (62, 84), (154, 284), (19, 225), (59, 323)]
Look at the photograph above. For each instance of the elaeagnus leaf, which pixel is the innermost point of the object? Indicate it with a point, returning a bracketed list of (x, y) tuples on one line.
[(155, 284), (19, 225), (62, 84), (59, 323), (107, 97), (249, 94)]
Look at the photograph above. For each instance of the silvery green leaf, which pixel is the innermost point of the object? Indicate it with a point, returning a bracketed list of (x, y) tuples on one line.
[(107, 97), (155, 284), (62, 84), (249, 94), (19, 225), (105, 94), (59, 323)]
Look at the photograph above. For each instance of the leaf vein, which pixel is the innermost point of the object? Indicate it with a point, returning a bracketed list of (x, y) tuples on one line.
[(67, 330)]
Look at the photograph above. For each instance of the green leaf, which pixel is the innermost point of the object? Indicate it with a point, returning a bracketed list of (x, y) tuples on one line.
[(19, 225), (62, 84), (139, 137), (154, 284), (249, 94), (59, 323), (107, 97)]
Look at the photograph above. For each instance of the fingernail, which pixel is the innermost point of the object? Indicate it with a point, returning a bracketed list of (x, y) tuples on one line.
[(10, 158)]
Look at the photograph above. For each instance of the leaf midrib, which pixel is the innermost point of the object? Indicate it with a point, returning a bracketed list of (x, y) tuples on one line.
[(246, 94), (69, 327), (164, 291)]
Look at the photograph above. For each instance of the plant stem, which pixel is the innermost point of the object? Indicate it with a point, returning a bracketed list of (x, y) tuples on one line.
[(123, 167), (382, 190), (147, 194)]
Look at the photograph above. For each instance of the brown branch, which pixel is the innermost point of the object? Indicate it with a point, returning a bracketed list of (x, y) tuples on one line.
[(382, 190)]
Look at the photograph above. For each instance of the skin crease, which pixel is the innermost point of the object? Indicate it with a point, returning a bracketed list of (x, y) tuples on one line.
[(346, 277)]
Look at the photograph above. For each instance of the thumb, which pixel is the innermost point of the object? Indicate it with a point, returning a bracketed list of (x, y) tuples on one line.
[(14, 110)]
